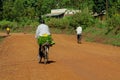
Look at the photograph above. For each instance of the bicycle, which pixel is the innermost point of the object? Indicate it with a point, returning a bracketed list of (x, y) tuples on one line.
[(44, 52)]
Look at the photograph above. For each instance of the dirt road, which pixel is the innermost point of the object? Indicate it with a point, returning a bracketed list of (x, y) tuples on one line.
[(67, 59)]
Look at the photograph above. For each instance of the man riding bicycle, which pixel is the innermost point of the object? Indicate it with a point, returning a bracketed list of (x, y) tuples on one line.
[(43, 35), (8, 31)]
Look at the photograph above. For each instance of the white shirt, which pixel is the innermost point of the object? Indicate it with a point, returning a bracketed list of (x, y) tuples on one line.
[(79, 30), (41, 30)]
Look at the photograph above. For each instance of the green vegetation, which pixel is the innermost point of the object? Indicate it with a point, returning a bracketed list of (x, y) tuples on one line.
[(23, 16), (0, 39)]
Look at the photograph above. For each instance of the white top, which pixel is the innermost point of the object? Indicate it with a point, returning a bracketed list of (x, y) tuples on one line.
[(41, 30), (79, 30)]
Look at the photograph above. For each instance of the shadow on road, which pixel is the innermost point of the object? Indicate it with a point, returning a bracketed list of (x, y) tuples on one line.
[(49, 62)]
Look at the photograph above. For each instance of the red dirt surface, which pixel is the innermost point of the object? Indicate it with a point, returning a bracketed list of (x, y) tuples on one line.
[(67, 59)]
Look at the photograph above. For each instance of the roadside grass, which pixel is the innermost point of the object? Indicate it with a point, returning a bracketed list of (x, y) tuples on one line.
[(56, 31), (0, 39), (98, 35), (113, 39), (90, 34)]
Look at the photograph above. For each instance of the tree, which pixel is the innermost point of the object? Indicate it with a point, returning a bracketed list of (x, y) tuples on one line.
[(99, 6), (113, 7), (43, 7), (8, 11), (1, 9)]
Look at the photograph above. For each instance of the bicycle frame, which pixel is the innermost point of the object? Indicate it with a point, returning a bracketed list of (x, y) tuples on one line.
[(44, 50)]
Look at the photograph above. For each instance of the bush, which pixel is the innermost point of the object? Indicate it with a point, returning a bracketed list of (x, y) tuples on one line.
[(4, 24), (29, 25), (79, 19), (58, 23), (114, 24), (84, 19)]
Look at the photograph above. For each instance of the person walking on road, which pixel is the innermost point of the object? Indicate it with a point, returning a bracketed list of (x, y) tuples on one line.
[(79, 34)]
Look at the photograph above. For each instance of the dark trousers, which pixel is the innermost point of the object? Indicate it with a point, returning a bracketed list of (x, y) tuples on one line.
[(40, 52), (79, 38)]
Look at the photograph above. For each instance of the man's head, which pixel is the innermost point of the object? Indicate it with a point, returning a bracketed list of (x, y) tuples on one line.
[(42, 21)]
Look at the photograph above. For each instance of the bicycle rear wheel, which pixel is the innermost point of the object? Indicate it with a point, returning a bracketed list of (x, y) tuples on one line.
[(46, 55)]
